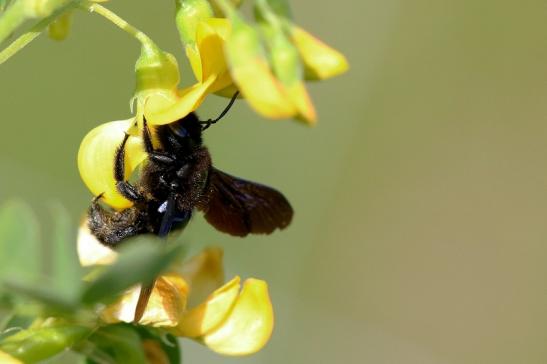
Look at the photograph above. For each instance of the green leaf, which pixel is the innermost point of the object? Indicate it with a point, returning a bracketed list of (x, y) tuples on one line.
[(140, 260), (118, 343), (37, 344), (66, 271), (19, 242)]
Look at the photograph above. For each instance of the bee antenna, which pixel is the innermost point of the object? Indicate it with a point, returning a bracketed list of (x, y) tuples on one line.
[(208, 123)]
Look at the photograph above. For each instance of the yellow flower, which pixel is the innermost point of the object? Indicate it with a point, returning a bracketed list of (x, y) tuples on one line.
[(232, 50), (157, 94), (230, 319), (96, 159)]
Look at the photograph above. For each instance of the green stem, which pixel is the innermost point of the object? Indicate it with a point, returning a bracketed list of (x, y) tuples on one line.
[(11, 19), (30, 35), (119, 22), (23, 10)]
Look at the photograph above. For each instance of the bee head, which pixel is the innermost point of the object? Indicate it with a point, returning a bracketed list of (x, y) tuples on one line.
[(187, 129)]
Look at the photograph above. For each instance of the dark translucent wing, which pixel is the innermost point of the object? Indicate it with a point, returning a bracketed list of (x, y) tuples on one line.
[(240, 207)]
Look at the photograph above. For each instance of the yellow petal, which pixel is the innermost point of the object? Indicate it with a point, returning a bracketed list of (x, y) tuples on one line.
[(96, 160), (210, 314), (91, 251), (229, 91), (204, 273), (262, 90), (192, 53), (211, 49), (165, 307), (188, 100), (251, 72), (302, 101), (250, 324), (8, 359), (321, 61)]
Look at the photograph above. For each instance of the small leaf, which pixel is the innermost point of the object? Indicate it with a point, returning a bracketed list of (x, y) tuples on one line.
[(140, 260), (34, 345), (66, 271), (19, 241)]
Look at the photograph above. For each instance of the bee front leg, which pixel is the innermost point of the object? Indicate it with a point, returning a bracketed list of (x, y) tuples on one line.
[(153, 155), (125, 188)]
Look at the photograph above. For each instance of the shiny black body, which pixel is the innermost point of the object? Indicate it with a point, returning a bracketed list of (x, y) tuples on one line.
[(178, 178)]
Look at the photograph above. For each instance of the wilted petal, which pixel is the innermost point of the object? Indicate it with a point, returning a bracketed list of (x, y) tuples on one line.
[(91, 251), (201, 319), (96, 160), (187, 101), (204, 273), (249, 325), (165, 306), (321, 61)]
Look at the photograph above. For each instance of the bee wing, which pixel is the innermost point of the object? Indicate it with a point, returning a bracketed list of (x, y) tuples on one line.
[(240, 207)]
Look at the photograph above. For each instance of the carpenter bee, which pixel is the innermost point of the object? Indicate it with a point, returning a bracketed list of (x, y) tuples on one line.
[(177, 179)]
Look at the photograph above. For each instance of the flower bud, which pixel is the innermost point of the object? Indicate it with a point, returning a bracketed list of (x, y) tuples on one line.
[(251, 72), (156, 69), (320, 60), (59, 29), (285, 60), (189, 13)]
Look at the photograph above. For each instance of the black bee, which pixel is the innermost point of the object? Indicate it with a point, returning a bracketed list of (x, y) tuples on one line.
[(177, 179)]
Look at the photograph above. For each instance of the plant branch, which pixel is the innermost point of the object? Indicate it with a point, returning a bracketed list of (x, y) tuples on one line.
[(116, 20), (31, 34)]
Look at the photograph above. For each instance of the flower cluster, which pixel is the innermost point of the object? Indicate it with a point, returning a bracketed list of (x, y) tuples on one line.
[(267, 63), (193, 301)]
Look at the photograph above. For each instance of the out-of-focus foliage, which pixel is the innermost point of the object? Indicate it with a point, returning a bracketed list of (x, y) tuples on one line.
[(31, 294)]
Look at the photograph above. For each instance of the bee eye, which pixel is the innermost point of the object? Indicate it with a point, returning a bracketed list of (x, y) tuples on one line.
[(179, 130)]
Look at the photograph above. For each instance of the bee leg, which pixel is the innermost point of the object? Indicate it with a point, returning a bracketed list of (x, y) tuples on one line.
[(146, 137), (125, 188), (111, 227), (153, 155)]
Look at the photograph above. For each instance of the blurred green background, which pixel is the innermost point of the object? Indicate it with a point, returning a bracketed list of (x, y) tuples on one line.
[(420, 233)]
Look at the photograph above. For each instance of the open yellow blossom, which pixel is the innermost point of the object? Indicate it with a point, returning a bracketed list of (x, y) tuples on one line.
[(96, 159), (230, 319), (271, 82)]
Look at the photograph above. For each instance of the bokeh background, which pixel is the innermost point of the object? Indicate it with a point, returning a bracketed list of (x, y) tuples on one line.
[(420, 233)]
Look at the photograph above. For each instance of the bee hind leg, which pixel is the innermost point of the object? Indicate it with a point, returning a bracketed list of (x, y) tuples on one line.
[(112, 227)]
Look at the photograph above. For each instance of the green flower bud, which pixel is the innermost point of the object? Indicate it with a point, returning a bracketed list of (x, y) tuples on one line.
[(189, 13), (59, 29), (284, 56), (156, 69)]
